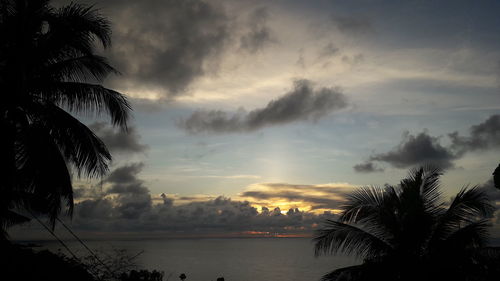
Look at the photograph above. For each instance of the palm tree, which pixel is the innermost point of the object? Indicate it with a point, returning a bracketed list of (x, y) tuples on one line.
[(406, 232), (49, 69)]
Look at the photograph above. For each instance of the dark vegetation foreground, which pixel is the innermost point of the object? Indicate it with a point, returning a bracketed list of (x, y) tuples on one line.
[(23, 263), (407, 232)]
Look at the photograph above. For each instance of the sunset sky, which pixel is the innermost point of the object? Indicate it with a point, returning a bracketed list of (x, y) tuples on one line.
[(289, 104)]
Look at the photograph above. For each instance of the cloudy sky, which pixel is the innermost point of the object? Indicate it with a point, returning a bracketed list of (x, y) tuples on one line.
[(244, 106)]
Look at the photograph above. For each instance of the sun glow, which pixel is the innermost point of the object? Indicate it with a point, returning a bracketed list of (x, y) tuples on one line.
[(317, 199)]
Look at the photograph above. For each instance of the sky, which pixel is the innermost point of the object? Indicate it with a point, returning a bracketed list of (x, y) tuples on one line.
[(243, 107)]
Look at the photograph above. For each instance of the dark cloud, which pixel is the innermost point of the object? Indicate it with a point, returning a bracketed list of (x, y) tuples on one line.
[(367, 167), (352, 24), (221, 215), (121, 195), (426, 149), (259, 34), (165, 44), (417, 150), (483, 136), (124, 180), (302, 103), (131, 198), (126, 204), (118, 140)]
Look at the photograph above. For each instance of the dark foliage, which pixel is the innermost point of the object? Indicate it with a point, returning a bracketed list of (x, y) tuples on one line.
[(49, 69), (406, 232), (24, 264), (496, 177)]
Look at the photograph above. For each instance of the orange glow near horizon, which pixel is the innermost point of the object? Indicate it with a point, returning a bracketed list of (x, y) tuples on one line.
[(272, 234)]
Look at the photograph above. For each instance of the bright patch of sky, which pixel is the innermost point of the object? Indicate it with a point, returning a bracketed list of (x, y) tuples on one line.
[(403, 67)]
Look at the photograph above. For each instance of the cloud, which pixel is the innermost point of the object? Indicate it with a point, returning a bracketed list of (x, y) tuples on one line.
[(426, 149), (492, 192), (417, 150), (260, 34), (123, 196), (166, 45), (124, 180), (308, 197), (352, 25), (126, 205), (483, 136), (301, 103), (117, 140), (367, 167), (219, 215)]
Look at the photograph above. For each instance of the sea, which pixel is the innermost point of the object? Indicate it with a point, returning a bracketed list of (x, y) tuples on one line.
[(235, 259)]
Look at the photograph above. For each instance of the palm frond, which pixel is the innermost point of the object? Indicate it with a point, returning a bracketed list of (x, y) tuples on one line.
[(47, 56), (424, 183), (78, 69), (88, 99), (374, 208), (474, 235), (345, 273), (468, 205), (335, 237), (471, 203), (79, 145), (361, 203), (364, 272), (85, 19), (9, 218), (75, 27), (44, 178)]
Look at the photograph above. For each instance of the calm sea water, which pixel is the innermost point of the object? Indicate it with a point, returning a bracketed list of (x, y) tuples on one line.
[(245, 259)]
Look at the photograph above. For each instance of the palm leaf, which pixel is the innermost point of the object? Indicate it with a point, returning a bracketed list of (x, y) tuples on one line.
[(346, 273), (335, 237), (88, 98), (375, 209), (87, 20), (467, 206), (472, 236), (44, 178), (78, 69), (79, 145), (9, 218)]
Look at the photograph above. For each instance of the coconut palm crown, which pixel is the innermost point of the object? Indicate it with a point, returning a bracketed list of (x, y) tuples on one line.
[(407, 232), (49, 69)]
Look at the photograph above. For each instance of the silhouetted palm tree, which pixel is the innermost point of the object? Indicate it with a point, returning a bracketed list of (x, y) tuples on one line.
[(406, 232), (48, 69)]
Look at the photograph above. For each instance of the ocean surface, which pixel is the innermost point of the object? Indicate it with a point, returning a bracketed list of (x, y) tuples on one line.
[(235, 259)]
